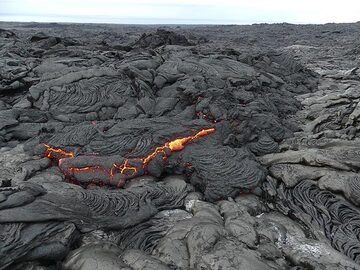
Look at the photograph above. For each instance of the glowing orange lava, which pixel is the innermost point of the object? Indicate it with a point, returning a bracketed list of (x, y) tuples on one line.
[(176, 145), (125, 168), (89, 168), (51, 150)]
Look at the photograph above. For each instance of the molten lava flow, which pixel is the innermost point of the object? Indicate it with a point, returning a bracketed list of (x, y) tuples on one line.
[(179, 144), (175, 145), (125, 168), (89, 168), (49, 152)]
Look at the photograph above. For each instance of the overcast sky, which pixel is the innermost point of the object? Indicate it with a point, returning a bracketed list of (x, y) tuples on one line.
[(181, 11)]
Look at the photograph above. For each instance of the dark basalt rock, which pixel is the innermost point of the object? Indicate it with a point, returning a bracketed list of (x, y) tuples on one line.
[(39, 36), (100, 256), (264, 145), (92, 208), (149, 233), (337, 218), (28, 212), (4, 33), (47, 41), (35, 241), (160, 38), (221, 172)]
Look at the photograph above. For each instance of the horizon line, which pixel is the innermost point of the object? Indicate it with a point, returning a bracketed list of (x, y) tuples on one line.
[(100, 19), (194, 23)]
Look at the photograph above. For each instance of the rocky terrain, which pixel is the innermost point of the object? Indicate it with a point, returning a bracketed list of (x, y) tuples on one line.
[(179, 147)]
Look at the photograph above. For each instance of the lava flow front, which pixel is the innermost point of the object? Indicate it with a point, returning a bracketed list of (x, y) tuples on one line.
[(121, 171)]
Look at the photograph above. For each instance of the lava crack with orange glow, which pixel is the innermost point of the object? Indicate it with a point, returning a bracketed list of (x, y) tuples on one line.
[(125, 168), (51, 152)]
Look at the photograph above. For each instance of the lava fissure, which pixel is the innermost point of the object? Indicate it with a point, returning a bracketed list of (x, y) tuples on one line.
[(51, 152), (125, 168)]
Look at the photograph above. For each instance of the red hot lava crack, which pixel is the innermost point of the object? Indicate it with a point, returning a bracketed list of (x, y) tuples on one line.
[(125, 168)]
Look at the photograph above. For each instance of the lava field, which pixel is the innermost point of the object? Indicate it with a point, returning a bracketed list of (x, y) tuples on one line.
[(179, 147)]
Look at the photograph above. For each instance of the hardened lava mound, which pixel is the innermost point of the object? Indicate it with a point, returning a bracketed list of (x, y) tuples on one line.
[(182, 147)]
